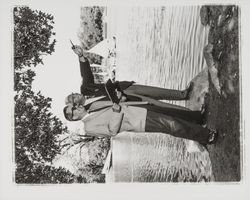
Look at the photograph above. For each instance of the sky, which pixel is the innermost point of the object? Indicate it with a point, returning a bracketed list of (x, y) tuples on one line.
[(60, 74)]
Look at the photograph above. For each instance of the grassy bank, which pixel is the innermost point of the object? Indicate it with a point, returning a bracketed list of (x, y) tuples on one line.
[(223, 108)]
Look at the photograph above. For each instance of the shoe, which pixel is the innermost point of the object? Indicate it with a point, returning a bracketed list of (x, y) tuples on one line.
[(213, 136), (188, 90)]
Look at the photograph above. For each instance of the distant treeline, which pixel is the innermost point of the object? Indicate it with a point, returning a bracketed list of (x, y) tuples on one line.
[(91, 30)]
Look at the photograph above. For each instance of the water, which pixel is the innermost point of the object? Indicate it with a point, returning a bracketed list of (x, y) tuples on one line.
[(155, 157), (159, 46)]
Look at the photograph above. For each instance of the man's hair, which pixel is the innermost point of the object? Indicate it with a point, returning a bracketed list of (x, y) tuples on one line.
[(66, 115), (67, 99)]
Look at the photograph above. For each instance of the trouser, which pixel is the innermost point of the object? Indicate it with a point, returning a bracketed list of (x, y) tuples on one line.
[(180, 112), (157, 92), (158, 122), (155, 103)]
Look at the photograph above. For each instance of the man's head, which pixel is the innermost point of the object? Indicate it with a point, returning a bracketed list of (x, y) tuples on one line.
[(75, 99), (74, 113)]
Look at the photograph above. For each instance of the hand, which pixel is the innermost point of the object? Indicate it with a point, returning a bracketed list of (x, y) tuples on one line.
[(77, 50), (120, 96), (116, 108), (123, 99)]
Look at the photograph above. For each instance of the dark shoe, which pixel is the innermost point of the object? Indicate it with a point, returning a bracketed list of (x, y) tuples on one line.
[(213, 136), (188, 90)]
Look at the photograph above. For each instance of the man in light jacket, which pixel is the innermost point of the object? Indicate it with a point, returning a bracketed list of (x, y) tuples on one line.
[(102, 119)]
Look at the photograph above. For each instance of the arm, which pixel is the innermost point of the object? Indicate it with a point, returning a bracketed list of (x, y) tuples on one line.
[(86, 73), (85, 69)]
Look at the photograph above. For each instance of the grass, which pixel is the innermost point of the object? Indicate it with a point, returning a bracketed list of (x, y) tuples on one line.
[(223, 109)]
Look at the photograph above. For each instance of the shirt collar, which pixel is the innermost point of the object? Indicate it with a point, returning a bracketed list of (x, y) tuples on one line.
[(91, 100), (86, 116)]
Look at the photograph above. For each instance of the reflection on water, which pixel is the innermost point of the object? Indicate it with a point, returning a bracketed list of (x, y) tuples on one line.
[(161, 47), (156, 157)]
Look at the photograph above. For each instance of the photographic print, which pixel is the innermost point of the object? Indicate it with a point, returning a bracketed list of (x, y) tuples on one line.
[(107, 94)]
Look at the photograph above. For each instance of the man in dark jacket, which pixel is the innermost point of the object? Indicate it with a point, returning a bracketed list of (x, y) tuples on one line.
[(90, 88)]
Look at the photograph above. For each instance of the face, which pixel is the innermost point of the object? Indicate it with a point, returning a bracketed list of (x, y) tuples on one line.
[(75, 98), (76, 112)]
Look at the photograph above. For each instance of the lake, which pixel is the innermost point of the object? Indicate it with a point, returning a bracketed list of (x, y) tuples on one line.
[(159, 46)]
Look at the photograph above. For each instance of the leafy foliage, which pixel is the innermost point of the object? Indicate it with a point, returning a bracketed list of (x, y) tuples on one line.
[(91, 30), (32, 34), (36, 129), (86, 154), (97, 152), (45, 174)]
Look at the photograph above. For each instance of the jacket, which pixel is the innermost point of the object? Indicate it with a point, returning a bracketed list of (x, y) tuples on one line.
[(106, 123), (90, 88)]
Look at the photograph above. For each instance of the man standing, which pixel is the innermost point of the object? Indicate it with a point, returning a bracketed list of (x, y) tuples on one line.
[(90, 88), (76, 100), (108, 120)]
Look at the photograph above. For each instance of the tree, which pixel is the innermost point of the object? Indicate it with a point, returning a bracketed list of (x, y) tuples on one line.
[(86, 154), (32, 40), (39, 173), (36, 129), (91, 30), (32, 36), (98, 151)]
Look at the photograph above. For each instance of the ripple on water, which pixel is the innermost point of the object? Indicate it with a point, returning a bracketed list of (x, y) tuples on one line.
[(157, 157), (160, 47)]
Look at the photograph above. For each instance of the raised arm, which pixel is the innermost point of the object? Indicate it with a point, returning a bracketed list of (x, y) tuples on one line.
[(86, 73)]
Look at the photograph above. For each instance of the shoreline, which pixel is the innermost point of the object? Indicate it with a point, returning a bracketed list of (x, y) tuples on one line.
[(223, 107)]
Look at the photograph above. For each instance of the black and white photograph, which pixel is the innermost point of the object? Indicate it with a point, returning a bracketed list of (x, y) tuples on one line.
[(108, 94)]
